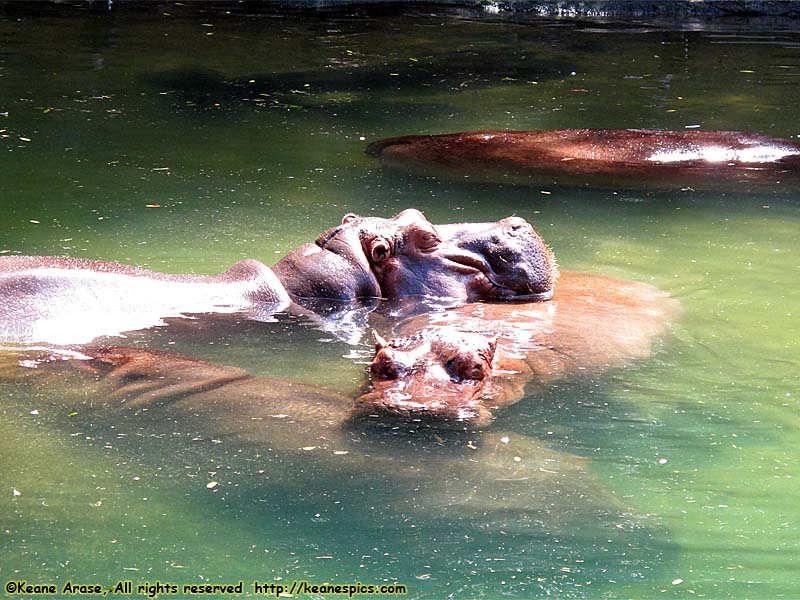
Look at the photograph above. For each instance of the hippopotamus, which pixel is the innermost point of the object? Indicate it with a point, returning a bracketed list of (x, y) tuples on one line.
[(461, 365), (615, 158), (261, 433), (451, 367), (197, 407), (61, 300)]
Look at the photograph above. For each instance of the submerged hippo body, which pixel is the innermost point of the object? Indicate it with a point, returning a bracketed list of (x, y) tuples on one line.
[(458, 366), (267, 432), (61, 300), (600, 157)]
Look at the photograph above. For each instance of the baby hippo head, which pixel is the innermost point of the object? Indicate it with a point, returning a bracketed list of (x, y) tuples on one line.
[(436, 376)]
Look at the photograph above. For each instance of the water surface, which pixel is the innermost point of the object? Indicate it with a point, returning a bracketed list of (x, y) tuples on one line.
[(184, 139)]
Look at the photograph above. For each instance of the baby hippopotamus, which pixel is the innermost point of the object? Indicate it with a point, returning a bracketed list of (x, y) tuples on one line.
[(442, 374), (455, 368)]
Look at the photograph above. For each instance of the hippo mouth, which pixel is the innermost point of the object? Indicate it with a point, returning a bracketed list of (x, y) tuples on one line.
[(487, 282)]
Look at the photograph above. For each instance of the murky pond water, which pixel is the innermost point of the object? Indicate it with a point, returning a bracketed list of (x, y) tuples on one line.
[(184, 139)]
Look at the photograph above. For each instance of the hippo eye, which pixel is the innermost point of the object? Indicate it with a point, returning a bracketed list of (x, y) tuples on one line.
[(424, 238), (385, 368), (465, 368), (428, 241)]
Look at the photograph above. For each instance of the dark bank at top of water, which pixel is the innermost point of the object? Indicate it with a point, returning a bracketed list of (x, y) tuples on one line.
[(184, 137)]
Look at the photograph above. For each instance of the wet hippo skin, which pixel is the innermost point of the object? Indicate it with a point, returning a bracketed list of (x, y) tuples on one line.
[(461, 365), (408, 255), (615, 158), (62, 300)]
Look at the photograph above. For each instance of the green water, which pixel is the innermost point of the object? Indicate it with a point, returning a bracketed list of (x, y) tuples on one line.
[(247, 130)]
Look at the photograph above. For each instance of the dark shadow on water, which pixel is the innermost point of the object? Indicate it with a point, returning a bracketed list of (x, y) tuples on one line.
[(370, 84)]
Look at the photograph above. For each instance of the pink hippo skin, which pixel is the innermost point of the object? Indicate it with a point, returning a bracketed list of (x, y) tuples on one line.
[(62, 300)]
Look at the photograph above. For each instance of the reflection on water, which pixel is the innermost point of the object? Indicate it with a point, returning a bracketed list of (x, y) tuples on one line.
[(184, 139)]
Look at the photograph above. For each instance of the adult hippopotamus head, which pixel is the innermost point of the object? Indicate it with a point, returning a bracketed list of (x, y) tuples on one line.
[(407, 255)]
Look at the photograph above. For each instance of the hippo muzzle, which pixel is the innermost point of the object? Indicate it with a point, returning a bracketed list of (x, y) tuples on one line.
[(467, 262), (509, 259)]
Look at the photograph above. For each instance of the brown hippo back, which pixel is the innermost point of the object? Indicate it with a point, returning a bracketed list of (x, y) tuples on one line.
[(616, 158)]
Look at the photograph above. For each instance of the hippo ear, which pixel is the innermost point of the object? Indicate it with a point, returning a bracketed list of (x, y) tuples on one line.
[(349, 218), (380, 249), (380, 342)]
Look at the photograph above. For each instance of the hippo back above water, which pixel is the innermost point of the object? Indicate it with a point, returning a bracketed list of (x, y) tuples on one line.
[(616, 158), (63, 300)]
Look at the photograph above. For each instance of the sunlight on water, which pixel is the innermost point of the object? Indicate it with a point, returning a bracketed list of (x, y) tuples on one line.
[(186, 139)]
